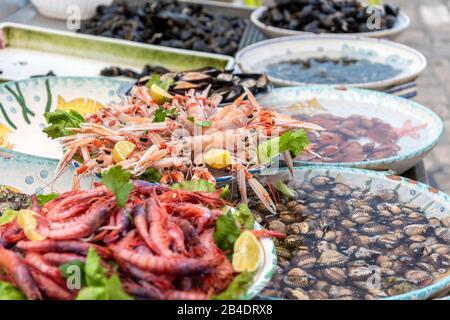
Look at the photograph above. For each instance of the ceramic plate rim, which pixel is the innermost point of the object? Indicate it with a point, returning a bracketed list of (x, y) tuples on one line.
[(420, 58), (372, 163)]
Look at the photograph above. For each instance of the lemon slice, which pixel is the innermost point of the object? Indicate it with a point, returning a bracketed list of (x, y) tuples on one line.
[(217, 158), (246, 254), (122, 150), (159, 95), (27, 221)]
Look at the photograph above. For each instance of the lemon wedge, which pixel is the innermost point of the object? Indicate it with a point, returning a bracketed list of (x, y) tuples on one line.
[(159, 95), (122, 150), (27, 221), (246, 254), (217, 158)]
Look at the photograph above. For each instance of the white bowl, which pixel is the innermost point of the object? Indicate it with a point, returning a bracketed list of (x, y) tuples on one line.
[(63, 9), (256, 57), (400, 25)]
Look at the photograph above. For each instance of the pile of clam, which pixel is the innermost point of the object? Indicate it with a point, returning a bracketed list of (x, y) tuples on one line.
[(352, 243), (350, 139)]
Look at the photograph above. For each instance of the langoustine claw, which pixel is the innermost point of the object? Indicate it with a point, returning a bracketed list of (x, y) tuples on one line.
[(19, 274)]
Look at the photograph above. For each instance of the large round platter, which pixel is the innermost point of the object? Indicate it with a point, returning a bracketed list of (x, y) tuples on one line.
[(410, 62), (404, 115), (434, 203)]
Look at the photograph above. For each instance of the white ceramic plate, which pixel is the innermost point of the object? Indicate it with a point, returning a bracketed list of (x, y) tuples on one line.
[(402, 114), (401, 24), (255, 58)]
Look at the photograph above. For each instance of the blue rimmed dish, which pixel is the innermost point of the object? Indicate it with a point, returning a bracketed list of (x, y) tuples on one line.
[(433, 202), (421, 128)]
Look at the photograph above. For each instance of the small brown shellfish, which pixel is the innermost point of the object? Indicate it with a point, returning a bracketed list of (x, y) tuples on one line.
[(331, 258), (335, 275), (298, 278), (420, 277)]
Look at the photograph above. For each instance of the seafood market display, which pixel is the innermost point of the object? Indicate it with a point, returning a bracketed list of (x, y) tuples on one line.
[(331, 71), (321, 16), (168, 138), (150, 243), (350, 139), (224, 83), (350, 243), (168, 23)]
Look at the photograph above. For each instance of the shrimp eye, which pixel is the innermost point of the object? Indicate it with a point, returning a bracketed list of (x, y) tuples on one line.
[(99, 161)]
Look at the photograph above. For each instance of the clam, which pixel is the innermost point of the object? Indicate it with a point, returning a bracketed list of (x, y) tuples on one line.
[(443, 234), (341, 190), (415, 229), (284, 253), (297, 294), (420, 277), (298, 278), (305, 260), (335, 275), (321, 181), (293, 241), (374, 229), (359, 273), (331, 258), (277, 226), (387, 195)]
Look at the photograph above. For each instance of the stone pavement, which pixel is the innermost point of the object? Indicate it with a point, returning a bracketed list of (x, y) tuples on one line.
[(430, 34)]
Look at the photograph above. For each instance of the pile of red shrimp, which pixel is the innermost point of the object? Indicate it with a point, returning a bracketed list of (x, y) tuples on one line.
[(161, 240)]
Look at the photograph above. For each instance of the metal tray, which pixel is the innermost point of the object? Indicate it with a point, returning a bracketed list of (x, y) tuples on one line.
[(27, 51)]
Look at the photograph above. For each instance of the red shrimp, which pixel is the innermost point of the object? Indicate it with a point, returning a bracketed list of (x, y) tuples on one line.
[(48, 245), (49, 288), (158, 240), (85, 224), (185, 295), (143, 292), (58, 259), (19, 274), (208, 198), (176, 265), (36, 261)]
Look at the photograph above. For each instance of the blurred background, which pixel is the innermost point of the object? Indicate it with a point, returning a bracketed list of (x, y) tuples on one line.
[(429, 33)]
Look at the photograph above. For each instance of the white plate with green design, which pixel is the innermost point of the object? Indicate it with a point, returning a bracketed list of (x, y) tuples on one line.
[(415, 129), (22, 106), (433, 202), (395, 63)]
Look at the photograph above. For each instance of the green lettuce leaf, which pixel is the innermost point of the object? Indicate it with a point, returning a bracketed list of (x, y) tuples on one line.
[(95, 272), (44, 198), (162, 113), (193, 186), (9, 292), (151, 175), (237, 288), (114, 289), (60, 120), (227, 231), (117, 180), (293, 141), (8, 216), (204, 124), (92, 293), (163, 84), (244, 216)]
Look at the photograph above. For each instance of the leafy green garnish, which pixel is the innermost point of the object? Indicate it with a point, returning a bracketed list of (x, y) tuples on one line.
[(117, 180), (66, 267), (96, 285), (44, 198), (237, 288), (227, 231), (9, 292), (293, 141), (284, 189), (225, 191), (245, 217), (200, 123), (200, 185), (8, 216), (156, 79), (60, 120), (151, 175), (162, 113)]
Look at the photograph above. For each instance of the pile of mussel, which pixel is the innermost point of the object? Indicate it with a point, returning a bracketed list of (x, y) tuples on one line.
[(351, 243), (320, 16), (168, 23), (222, 83), (12, 199)]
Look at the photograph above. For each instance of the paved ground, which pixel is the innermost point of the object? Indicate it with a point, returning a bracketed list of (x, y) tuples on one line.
[(430, 34)]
